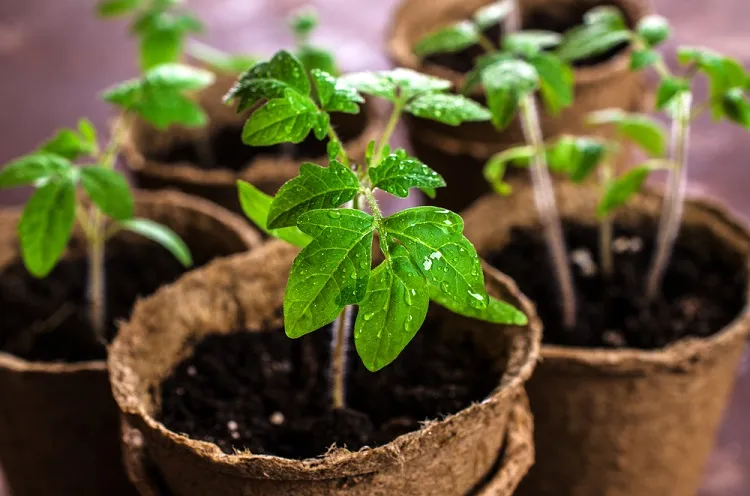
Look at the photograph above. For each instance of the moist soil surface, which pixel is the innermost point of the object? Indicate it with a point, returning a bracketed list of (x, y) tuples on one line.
[(264, 392), (539, 19), (46, 319), (703, 291), (227, 151)]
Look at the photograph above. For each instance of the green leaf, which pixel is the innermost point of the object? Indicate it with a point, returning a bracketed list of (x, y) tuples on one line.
[(286, 119), (528, 43), (493, 13), (653, 30), (577, 156), (46, 225), (604, 28), (331, 272), (109, 191), (392, 311), (723, 73), (395, 85), (269, 80), (447, 108), (494, 169), (642, 130), (640, 59), (474, 77), (623, 188), (496, 312), (334, 95), (317, 58), (160, 47), (164, 108), (161, 235), (303, 22), (219, 60), (556, 81), (116, 8), (736, 106), (177, 77), (506, 83), (72, 144), (397, 173), (669, 88), (449, 39), (256, 206), (31, 168), (315, 188), (449, 261)]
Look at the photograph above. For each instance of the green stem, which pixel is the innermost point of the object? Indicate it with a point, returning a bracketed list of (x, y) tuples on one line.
[(96, 287), (671, 214), (390, 127), (486, 44), (544, 197), (108, 158)]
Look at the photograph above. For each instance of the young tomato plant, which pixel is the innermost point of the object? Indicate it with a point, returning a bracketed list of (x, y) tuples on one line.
[(727, 99), (511, 72), (332, 212), (73, 158)]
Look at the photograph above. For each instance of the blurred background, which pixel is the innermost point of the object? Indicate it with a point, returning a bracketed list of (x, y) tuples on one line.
[(55, 57)]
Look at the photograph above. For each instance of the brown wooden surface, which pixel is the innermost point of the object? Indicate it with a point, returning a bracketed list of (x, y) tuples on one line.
[(55, 58)]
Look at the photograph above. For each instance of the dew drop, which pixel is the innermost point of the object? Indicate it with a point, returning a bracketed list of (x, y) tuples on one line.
[(477, 301), (437, 255), (445, 287), (413, 292), (447, 222), (427, 264), (368, 317), (334, 214)]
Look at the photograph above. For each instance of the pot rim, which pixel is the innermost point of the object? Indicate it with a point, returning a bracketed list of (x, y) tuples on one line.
[(685, 353), (335, 463), (257, 169), (401, 52), (248, 234)]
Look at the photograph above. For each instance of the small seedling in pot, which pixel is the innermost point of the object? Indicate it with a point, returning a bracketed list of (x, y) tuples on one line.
[(332, 212), (73, 159), (511, 72), (727, 99)]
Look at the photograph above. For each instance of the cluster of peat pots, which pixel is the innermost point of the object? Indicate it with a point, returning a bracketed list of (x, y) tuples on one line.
[(573, 333)]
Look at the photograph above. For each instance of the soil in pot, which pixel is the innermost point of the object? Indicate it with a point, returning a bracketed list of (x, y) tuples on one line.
[(46, 319), (263, 392), (229, 152), (559, 21), (703, 290)]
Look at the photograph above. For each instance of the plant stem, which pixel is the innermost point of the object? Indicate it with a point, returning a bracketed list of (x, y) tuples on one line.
[(339, 345), (335, 138), (398, 108), (605, 226), (544, 196), (486, 44), (671, 214), (96, 287)]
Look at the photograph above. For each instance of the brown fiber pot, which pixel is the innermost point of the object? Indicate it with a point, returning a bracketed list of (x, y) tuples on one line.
[(458, 153), (59, 425), (449, 456), (145, 147), (624, 422)]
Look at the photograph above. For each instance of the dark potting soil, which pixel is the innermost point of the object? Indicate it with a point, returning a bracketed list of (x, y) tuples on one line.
[(229, 152), (263, 392), (703, 290), (538, 19), (46, 319)]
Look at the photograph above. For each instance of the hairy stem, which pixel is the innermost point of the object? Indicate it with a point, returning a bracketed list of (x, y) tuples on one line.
[(544, 196), (605, 226), (333, 136), (671, 214), (339, 344)]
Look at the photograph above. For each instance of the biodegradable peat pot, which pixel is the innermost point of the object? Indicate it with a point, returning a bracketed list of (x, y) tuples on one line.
[(601, 83), (59, 426), (176, 158), (625, 421), (450, 456)]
